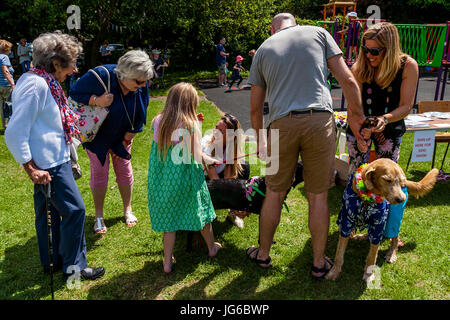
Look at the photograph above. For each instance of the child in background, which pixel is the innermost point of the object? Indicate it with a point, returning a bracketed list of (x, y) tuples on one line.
[(236, 74), (178, 197)]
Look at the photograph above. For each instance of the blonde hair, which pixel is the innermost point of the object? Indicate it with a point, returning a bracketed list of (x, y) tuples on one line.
[(179, 112), (233, 124), (386, 34), (5, 46)]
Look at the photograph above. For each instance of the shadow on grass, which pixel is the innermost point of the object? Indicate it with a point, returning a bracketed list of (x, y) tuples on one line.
[(334, 197), (22, 276), (248, 281), (91, 236), (297, 283), (408, 246)]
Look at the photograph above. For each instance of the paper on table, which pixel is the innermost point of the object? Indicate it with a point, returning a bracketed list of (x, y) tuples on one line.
[(441, 125), (439, 115), (417, 118), (416, 124)]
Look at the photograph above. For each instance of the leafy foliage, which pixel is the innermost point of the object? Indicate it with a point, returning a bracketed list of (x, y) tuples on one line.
[(190, 29)]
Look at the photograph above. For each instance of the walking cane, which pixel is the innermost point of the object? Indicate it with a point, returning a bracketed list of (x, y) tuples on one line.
[(46, 190)]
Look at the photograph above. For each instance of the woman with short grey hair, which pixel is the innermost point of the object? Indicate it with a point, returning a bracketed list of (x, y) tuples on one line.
[(56, 46), (127, 103), (38, 136)]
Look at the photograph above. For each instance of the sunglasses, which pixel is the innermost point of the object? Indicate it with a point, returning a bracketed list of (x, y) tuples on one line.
[(232, 119), (139, 83), (372, 51)]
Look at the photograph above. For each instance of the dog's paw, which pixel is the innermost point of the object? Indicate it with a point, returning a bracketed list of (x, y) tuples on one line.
[(333, 274), (369, 277)]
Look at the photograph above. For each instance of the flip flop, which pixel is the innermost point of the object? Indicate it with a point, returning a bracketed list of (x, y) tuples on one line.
[(323, 270), (255, 259), (98, 227)]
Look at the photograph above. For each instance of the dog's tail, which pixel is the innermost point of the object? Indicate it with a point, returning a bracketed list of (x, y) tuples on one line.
[(421, 188)]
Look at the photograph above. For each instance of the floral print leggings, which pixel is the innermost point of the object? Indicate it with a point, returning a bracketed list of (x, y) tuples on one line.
[(390, 148)]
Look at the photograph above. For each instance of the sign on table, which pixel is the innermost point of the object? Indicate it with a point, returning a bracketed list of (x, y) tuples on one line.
[(423, 146)]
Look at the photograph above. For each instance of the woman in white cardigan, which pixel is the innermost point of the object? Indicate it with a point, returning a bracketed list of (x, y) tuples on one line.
[(38, 136)]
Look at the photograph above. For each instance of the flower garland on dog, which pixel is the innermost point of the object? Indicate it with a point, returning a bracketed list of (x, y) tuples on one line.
[(365, 194), (253, 187)]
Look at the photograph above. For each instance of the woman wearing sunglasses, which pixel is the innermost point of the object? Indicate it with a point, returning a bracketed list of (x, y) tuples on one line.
[(388, 81), (127, 102)]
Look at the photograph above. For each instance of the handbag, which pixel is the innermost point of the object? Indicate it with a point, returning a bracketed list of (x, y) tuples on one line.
[(76, 169), (91, 118)]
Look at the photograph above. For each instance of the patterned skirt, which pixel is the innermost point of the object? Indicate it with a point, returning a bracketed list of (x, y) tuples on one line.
[(178, 197)]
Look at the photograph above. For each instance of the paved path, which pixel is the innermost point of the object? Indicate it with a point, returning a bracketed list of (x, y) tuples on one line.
[(238, 102)]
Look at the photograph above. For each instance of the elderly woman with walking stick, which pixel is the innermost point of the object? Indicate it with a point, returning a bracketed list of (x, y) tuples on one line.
[(38, 136)]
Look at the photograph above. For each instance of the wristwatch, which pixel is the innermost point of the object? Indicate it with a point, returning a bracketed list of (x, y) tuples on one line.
[(385, 120)]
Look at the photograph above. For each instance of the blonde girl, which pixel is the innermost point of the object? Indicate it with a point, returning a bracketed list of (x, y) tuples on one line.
[(178, 198)]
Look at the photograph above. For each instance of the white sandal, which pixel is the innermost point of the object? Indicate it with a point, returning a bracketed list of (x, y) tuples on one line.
[(130, 219), (98, 227)]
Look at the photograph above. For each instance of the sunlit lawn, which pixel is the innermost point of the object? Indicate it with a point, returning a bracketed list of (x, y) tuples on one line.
[(133, 256)]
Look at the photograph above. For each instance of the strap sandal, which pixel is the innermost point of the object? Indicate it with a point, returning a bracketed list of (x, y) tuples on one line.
[(327, 262), (130, 219), (265, 264), (99, 227)]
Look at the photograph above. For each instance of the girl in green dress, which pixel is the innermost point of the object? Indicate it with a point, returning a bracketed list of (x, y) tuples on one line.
[(178, 197)]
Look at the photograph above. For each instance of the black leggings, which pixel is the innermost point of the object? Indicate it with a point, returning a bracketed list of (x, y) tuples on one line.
[(233, 80)]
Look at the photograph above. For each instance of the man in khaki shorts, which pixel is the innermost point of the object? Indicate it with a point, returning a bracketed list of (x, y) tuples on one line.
[(291, 67)]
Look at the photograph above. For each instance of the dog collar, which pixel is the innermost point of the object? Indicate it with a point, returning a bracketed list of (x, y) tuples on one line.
[(365, 194), (252, 188)]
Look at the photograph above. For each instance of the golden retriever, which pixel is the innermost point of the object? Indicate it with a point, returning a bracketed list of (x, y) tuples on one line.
[(383, 177)]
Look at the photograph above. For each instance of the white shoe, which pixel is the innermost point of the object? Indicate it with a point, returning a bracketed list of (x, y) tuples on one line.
[(130, 219)]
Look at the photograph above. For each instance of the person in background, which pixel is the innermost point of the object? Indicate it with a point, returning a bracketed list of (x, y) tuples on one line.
[(158, 63), (236, 74), (353, 35), (24, 51), (6, 78), (39, 136), (106, 53), (221, 59)]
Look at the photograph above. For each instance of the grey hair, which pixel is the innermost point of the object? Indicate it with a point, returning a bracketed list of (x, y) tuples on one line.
[(135, 64), (52, 46), (282, 18)]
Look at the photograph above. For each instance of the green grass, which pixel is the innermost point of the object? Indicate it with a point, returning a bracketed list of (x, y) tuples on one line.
[(133, 256)]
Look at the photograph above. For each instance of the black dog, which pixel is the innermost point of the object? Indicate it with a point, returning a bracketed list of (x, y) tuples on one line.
[(232, 194)]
